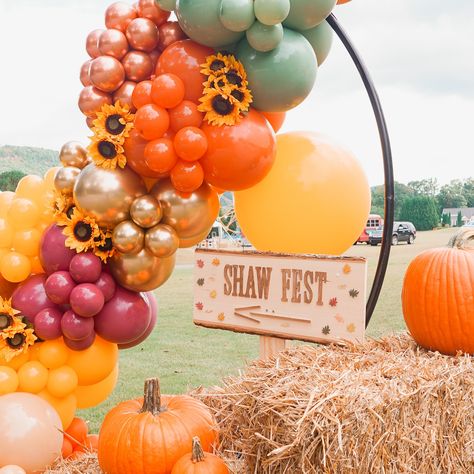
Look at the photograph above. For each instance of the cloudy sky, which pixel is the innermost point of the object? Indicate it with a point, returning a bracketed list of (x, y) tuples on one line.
[(419, 52)]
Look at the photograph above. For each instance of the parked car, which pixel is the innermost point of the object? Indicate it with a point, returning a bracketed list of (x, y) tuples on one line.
[(469, 225), (402, 232), (373, 222)]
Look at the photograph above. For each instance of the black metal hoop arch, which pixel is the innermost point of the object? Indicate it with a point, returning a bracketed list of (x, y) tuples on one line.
[(389, 192)]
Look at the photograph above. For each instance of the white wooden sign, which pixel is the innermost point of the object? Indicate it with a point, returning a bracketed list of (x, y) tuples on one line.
[(311, 298)]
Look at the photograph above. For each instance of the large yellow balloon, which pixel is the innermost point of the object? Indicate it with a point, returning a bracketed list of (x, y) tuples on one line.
[(315, 199), (92, 395), (62, 381), (33, 377), (53, 354), (15, 267)]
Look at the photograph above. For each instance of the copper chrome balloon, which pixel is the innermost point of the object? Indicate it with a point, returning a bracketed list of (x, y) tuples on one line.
[(113, 43), (65, 179), (73, 154), (124, 94), (170, 32), (149, 9), (92, 42), (106, 195), (138, 66), (107, 73), (84, 75), (128, 237), (119, 15), (146, 211), (92, 99), (162, 240), (142, 34)]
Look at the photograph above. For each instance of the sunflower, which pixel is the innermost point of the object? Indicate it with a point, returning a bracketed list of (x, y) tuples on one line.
[(216, 65), (113, 122), (220, 108), (81, 231), (103, 247), (6, 308), (106, 153), (16, 339), (63, 208)]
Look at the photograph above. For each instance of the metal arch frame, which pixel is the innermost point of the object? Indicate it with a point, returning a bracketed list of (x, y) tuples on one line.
[(389, 192)]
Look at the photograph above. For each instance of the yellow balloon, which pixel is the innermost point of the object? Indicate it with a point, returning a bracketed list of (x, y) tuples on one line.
[(23, 214), (33, 352), (65, 407), (95, 363), (15, 267), (91, 395), (315, 199), (27, 242), (62, 381), (6, 198), (31, 187), (53, 354), (49, 177), (32, 377), (16, 362), (8, 380), (6, 234)]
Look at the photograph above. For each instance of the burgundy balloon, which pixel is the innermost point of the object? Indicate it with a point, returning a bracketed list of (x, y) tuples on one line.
[(124, 318), (86, 300), (106, 285), (48, 324), (54, 255), (124, 94), (85, 79), (170, 32), (58, 287), (85, 267), (82, 344), (92, 43), (154, 315), (75, 327)]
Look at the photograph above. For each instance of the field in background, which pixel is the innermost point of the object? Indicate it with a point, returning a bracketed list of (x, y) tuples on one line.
[(185, 356)]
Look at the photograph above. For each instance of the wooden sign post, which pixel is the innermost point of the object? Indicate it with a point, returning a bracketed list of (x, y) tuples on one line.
[(279, 297)]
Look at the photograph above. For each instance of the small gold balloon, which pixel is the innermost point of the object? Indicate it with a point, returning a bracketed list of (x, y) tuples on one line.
[(191, 216), (146, 211), (162, 240), (143, 271), (73, 154), (128, 237), (106, 195), (65, 179)]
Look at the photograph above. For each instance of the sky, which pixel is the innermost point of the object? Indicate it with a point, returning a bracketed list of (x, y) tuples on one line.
[(419, 53)]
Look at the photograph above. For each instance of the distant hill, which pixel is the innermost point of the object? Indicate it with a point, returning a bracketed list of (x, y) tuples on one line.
[(27, 159)]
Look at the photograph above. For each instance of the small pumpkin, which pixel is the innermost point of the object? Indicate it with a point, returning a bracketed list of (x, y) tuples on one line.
[(438, 296), (149, 435), (199, 462)]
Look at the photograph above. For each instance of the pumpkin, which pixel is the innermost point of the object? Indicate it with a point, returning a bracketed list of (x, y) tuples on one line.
[(149, 435), (199, 462), (438, 296)]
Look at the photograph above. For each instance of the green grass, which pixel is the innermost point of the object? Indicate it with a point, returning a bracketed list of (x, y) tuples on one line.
[(186, 356)]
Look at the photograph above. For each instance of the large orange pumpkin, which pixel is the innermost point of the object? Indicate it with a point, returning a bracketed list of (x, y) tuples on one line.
[(149, 435), (438, 296), (199, 462)]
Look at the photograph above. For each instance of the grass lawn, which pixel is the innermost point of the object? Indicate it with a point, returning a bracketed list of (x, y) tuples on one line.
[(185, 356)]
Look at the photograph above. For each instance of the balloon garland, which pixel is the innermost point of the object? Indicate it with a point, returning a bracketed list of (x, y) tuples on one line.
[(179, 112)]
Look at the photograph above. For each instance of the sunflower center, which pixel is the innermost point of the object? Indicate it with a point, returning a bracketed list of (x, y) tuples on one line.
[(221, 105), (16, 341), (107, 246), (107, 149), (217, 65), (70, 211), (113, 124), (83, 231), (233, 78), (238, 95), (5, 321)]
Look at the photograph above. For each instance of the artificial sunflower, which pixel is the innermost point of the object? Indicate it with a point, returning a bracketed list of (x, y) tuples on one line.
[(63, 208), (220, 109), (216, 65), (6, 308), (104, 247), (16, 339), (106, 153), (113, 122), (81, 232)]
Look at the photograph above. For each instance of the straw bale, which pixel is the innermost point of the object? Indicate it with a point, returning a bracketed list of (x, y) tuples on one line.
[(86, 464), (385, 406)]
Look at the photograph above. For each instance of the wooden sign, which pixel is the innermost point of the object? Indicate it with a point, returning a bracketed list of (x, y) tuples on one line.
[(311, 298)]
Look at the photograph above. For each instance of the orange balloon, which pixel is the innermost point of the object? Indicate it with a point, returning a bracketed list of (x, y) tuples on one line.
[(276, 119), (23, 214), (184, 58), (341, 2), (151, 121), (138, 66), (15, 267), (149, 9), (27, 242), (6, 198), (119, 15), (91, 395), (53, 354), (134, 147), (6, 287), (190, 143), (62, 381), (8, 380), (6, 234), (16, 362), (36, 267), (167, 90), (92, 442), (33, 352), (32, 377), (65, 407), (239, 156), (78, 430), (142, 94), (49, 177), (92, 99), (67, 448), (187, 177), (31, 187), (186, 114), (160, 155)]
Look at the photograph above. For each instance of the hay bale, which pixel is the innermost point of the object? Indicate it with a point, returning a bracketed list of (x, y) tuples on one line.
[(86, 464), (382, 407)]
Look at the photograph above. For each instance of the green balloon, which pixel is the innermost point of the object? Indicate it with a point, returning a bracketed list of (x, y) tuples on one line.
[(281, 79), (271, 12), (237, 15), (264, 38), (199, 19), (306, 14), (320, 37), (166, 5)]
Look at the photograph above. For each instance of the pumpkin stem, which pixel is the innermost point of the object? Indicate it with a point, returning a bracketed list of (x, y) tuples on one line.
[(152, 397), (198, 453), (463, 240)]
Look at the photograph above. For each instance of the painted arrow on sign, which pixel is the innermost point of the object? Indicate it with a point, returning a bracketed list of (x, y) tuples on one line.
[(254, 313)]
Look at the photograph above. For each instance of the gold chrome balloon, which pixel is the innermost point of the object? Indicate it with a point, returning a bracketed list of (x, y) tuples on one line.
[(141, 272), (146, 211), (191, 215), (128, 237), (106, 195), (73, 154), (162, 240), (65, 179)]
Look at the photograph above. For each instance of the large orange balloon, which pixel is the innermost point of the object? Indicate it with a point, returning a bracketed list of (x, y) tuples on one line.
[(91, 395), (184, 58), (315, 199), (239, 156), (65, 407)]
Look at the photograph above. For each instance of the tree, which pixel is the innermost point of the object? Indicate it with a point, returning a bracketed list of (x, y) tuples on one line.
[(446, 219), (424, 187), (9, 180), (452, 195), (469, 191), (421, 210), (402, 192), (459, 221)]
